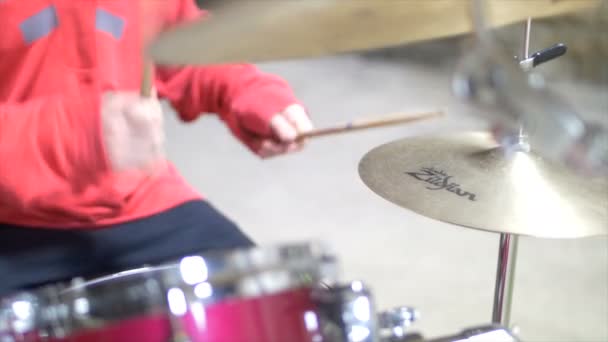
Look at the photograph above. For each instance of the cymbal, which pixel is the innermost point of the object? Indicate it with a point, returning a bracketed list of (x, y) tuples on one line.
[(469, 180), (256, 31)]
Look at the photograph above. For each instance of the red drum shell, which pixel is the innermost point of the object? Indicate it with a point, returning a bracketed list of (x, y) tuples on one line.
[(287, 316)]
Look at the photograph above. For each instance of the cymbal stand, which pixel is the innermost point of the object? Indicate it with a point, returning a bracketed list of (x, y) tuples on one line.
[(505, 271), (474, 80), (507, 247)]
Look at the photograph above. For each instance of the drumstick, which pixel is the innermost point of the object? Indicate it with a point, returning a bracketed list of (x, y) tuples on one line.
[(147, 79), (360, 124), (150, 23)]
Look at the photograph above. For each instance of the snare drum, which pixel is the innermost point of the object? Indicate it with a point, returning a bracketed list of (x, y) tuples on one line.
[(286, 293)]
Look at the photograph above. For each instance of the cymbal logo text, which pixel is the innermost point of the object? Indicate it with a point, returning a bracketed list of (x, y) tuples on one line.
[(441, 180)]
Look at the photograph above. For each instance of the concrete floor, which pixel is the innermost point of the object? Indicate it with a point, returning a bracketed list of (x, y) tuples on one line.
[(447, 272)]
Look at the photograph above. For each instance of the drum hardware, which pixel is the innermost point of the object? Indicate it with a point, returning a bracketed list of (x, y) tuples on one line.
[(18, 315), (512, 98), (32, 316), (569, 122), (543, 56), (55, 314), (348, 313), (395, 323), (179, 332), (507, 245)]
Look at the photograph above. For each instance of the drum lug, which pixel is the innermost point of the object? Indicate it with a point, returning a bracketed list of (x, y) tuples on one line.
[(394, 323), (347, 313)]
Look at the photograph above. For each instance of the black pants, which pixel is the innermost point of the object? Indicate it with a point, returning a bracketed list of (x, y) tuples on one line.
[(32, 257)]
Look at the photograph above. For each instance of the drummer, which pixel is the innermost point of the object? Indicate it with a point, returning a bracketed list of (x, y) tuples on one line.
[(84, 186)]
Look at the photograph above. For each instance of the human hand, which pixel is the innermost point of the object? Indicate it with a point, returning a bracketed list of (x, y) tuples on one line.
[(286, 127), (133, 131), (269, 136)]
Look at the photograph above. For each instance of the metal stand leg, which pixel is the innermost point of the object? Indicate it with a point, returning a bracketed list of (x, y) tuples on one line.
[(505, 273)]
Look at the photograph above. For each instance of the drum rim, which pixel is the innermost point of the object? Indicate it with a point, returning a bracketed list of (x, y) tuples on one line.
[(238, 262)]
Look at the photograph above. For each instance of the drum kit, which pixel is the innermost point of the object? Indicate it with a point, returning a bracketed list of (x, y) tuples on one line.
[(293, 292)]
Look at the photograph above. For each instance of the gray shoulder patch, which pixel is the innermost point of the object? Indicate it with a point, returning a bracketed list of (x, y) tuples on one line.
[(39, 25), (109, 23)]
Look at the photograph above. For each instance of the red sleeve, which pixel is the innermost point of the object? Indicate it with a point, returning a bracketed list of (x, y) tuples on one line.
[(237, 92), (44, 142)]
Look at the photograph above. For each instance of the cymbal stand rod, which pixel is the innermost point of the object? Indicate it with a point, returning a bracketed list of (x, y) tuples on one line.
[(526, 49), (522, 138), (505, 271), (507, 248)]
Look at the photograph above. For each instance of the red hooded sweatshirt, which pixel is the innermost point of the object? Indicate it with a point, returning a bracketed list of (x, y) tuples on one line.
[(57, 57)]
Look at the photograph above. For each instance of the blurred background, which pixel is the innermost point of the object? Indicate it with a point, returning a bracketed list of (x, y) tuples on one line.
[(445, 271)]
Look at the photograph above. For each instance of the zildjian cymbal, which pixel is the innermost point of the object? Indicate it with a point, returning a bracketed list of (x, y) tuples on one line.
[(256, 31), (470, 180)]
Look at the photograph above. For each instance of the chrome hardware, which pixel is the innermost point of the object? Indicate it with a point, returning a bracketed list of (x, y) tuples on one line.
[(347, 313), (394, 323)]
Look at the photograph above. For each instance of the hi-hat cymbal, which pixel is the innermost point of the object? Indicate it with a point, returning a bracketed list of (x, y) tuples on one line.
[(469, 180), (255, 31)]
